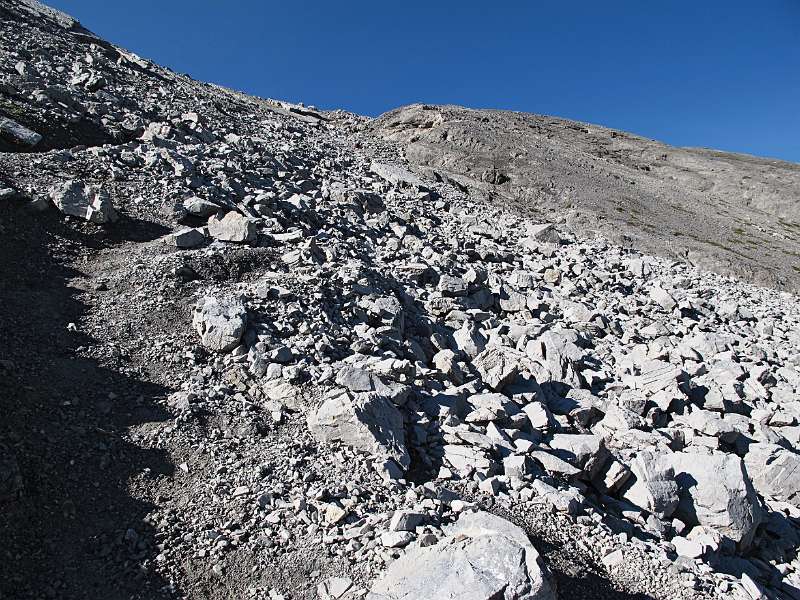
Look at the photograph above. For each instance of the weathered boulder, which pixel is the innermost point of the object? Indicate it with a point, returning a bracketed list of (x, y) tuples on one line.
[(17, 133), (188, 238), (775, 471), (87, 202), (220, 322), (396, 175), (483, 557), (199, 207), (715, 491), (366, 421), (652, 485), (543, 232), (498, 366), (359, 380), (469, 339), (232, 227), (584, 451)]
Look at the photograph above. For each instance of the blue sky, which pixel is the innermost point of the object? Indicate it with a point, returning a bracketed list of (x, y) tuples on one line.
[(713, 73)]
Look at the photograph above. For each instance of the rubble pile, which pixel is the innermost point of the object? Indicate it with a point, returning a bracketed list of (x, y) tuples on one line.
[(380, 387)]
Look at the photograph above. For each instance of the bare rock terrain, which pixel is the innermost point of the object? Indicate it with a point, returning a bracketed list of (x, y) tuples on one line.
[(730, 213), (250, 349)]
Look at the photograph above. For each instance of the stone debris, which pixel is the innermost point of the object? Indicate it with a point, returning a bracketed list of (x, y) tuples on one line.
[(483, 557), (365, 364), (220, 322), (87, 202)]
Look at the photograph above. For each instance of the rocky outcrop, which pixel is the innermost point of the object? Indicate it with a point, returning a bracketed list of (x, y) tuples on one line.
[(712, 208)]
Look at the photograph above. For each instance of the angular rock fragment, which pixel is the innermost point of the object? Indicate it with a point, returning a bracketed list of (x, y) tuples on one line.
[(87, 202), (543, 232), (200, 207), (652, 485), (584, 451), (220, 322), (396, 175), (188, 238), (19, 134), (663, 298), (483, 558), (469, 339), (775, 471), (232, 227), (715, 491), (366, 421), (498, 366)]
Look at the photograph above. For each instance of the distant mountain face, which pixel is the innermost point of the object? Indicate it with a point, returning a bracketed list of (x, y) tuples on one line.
[(731, 213)]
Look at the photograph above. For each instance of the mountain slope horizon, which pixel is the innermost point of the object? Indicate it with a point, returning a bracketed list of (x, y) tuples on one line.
[(251, 349), (732, 213)]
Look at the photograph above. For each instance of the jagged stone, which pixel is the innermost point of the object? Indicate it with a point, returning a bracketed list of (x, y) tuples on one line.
[(775, 471), (483, 558), (220, 322), (232, 227), (366, 421), (87, 202), (715, 491), (497, 366)]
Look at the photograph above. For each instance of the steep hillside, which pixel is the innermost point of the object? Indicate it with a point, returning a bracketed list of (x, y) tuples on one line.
[(731, 213), (246, 352)]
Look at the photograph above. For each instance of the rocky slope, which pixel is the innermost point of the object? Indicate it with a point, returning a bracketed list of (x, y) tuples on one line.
[(246, 352), (731, 213)]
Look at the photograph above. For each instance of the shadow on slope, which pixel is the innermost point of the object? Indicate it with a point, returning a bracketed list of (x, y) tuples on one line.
[(70, 526)]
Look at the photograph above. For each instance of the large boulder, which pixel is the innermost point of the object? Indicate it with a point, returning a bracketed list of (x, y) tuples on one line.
[(715, 491), (87, 202), (483, 557), (366, 421), (220, 322), (584, 451), (498, 366), (652, 485), (232, 227), (775, 472)]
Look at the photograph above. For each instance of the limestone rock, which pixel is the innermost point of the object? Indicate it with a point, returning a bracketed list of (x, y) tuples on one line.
[(483, 558), (498, 366), (366, 421), (716, 492), (775, 471), (232, 227), (220, 322), (87, 202)]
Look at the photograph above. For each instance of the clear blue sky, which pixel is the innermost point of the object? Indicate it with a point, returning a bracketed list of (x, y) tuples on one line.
[(716, 73)]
